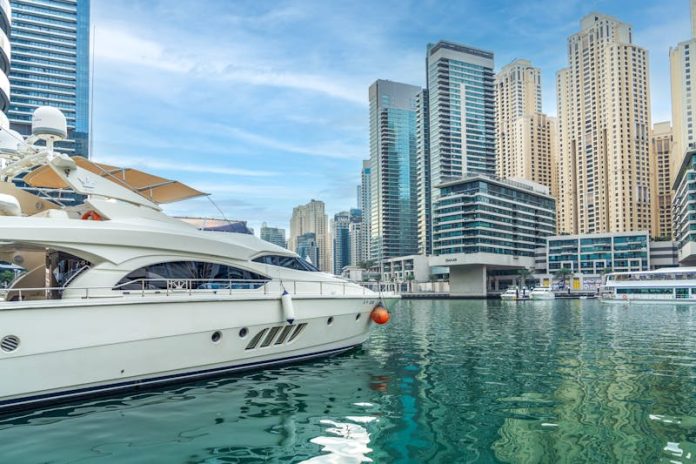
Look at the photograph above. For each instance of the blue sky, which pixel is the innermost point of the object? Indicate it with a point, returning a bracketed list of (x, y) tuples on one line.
[(264, 103)]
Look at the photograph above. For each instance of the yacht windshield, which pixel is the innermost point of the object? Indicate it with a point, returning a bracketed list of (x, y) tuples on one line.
[(289, 262), (190, 274)]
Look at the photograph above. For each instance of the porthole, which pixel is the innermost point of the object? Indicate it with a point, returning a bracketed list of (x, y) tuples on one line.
[(357, 317), (243, 332), (217, 335), (9, 343), (329, 321)]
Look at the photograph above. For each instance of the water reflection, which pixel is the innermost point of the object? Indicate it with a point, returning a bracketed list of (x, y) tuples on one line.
[(446, 381)]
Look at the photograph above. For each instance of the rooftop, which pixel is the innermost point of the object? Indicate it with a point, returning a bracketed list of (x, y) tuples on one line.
[(433, 48)]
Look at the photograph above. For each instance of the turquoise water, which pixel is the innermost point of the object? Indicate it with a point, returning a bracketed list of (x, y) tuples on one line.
[(444, 382)]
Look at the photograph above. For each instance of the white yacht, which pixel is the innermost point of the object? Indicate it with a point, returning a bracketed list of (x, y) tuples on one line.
[(542, 293), (117, 295), (514, 294), (666, 285)]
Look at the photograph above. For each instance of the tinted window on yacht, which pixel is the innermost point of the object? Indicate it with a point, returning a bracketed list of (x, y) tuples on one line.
[(289, 262), (190, 274)]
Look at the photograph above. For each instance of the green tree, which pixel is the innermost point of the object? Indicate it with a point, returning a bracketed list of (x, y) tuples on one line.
[(524, 274), (409, 280), (366, 265)]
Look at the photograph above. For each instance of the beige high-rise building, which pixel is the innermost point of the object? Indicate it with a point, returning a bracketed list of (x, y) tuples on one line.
[(312, 218), (661, 176), (525, 137), (604, 131), (567, 200), (682, 63)]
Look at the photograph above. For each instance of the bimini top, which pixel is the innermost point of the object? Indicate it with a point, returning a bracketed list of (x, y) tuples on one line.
[(154, 188)]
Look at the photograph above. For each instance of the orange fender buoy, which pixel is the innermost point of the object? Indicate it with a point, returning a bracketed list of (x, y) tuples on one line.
[(91, 216), (379, 315)]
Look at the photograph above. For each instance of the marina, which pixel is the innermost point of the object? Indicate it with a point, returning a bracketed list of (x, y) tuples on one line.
[(347, 232), (470, 381)]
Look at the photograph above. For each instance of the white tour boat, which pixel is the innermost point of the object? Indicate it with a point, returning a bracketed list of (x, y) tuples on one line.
[(542, 293), (666, 285), (117, 295)]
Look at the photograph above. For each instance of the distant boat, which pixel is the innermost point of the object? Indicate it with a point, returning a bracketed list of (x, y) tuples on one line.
[(514, 294), (542, 293)]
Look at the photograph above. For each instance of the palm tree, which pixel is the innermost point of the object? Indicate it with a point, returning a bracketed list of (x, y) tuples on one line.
[(366, 265), (409, 280), (562, 274), (524, 274)]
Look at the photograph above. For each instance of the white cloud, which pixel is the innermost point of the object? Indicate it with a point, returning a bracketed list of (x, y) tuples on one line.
[(113, 42), (116, 43), (206, 168), (255, 191), (328, 150)]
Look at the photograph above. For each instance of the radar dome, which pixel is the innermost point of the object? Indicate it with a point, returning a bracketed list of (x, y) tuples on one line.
[(48, 123), (10, 140)]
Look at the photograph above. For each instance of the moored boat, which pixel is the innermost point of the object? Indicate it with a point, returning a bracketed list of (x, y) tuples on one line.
[(514, 294), (118, 295), (542, 293), (667, 285)]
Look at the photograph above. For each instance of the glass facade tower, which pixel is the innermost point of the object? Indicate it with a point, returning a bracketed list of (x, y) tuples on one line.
[(393, 199), (51, 66)]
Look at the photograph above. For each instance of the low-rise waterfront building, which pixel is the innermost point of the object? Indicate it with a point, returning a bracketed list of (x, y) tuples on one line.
[(684, 210), (589, 257), (482, 224), (663, 253), (414, 268)]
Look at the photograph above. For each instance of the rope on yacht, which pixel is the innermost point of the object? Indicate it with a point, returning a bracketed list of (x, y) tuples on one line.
[(219, 210)]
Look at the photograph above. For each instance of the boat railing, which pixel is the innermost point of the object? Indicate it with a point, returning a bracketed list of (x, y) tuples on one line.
[(177, 287)]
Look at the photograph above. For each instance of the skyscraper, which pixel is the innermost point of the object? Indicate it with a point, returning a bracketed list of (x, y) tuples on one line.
[(307, 248), (393, 223), (456, 128), (423, 186), (682, 69), (341, 241), (661, 177), (604, 130), (50, 66), (311, 218), (358, 253), (462, 112), (525, 137), (365, 207), (273, 235)]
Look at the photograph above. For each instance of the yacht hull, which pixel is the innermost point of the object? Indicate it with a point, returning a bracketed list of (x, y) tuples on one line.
[(85, 349)]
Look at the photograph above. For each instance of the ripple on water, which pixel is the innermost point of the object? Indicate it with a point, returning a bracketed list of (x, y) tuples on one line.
[(445, 381)]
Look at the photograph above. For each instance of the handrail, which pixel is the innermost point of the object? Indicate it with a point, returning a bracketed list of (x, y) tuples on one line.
[(174, 287)]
